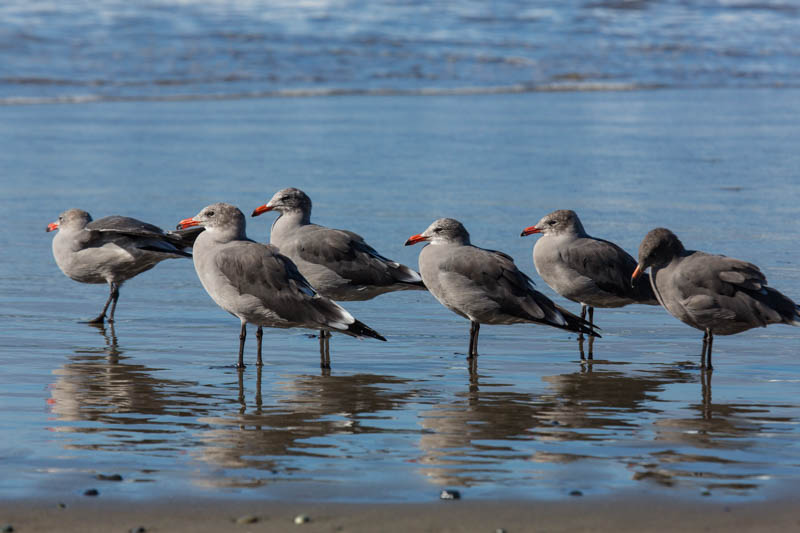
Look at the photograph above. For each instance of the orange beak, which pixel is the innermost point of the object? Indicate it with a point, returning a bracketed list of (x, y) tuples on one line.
[(530, 230), (414, 239), (635, 275), (187, 223), (52, 226), (263, 209)]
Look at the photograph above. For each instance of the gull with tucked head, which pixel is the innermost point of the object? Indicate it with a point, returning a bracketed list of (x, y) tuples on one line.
[(713, 293)]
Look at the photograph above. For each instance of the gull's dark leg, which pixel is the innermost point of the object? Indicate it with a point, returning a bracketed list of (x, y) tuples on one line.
[(583, 317), (591, 337), (259, 334), (328, 336), (242, 337), (705, 349), (115, 297), (708, 354), (474, 328), (324, 349), (99, 319)]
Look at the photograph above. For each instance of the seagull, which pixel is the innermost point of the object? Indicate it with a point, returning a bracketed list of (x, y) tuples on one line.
[(338, 263), (112, 250), (590, 271), (258, 284), (713, 293), (483, 286)]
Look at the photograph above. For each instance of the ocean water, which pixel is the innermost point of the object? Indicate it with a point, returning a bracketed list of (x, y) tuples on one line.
[(100, 50), (157, 400)]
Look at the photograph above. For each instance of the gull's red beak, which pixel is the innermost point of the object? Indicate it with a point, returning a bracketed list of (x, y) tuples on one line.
[(414, 239), (187, 223), (635, 275), (52, 226), (530, 230), (263, 209)]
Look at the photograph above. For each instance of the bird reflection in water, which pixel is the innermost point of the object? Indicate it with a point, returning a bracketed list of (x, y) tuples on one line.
[(486, 434), (120, 405), (289, 436), (457, 445)]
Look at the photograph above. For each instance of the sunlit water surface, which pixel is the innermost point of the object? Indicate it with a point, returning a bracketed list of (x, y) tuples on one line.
[(157, 400)]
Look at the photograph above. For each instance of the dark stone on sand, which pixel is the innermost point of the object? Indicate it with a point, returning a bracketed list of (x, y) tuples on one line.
[(91, 492), (576, 493), (8, 528), (449, 495), (62, 505), (112, 477), (140, 529)]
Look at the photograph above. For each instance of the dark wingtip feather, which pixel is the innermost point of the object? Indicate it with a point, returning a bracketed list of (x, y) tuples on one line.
[(578, 324), (184, 238), (162, 250), (359, 329)]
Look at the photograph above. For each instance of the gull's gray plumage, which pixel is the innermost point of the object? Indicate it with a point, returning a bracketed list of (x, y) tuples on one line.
[(713, 293), (592, 272), (483, 286), (337, 263), (257, 284), (111, 250)]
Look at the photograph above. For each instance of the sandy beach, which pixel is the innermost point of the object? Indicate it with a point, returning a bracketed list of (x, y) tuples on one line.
[(623, 514)]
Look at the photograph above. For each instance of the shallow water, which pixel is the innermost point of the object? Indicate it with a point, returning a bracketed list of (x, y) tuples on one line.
[(158, 401), (94, 50)]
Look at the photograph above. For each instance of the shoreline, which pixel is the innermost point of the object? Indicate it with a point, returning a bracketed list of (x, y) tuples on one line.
[(308, 93), (633, 513)]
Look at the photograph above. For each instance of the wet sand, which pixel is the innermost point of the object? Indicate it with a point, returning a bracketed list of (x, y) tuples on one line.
[(620, 513)]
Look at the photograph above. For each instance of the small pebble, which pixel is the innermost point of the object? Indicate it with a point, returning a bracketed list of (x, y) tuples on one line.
[(140, 529), (8, 528), (62, 505), (576, 493), (449, 495), (706, 493), (301, 519), (91, 492), (499, 530), (112, 477), (247, 519)]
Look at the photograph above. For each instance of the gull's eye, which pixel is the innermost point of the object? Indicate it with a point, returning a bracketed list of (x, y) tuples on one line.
[(437, 230), (209, 213), (551, 222)]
